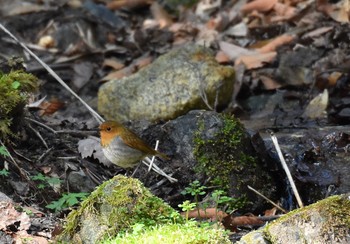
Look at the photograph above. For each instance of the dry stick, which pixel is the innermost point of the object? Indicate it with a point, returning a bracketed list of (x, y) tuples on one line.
[(21, 171), (37, 133), (286, 169), (53, 73), (267, 199), (152, 161), (147, 162), (41, 124)]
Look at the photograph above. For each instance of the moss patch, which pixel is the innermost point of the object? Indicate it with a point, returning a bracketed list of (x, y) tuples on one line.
[(15, 88), (224, 154), (189, 232)]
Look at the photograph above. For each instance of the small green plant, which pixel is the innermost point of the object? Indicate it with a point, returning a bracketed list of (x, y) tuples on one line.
[(4, 152), (196, 190), (67, 200), (187, 206), (46, 181), (4, 172), (219, 198)]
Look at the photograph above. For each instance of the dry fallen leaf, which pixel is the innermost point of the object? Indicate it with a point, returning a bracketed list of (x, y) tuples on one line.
[(258, 5), (275, 43), (50, 107), (283, 12), (91, 147), (231, 222), (256, 60), (317, 106), (117, 4), (9, 216), (115, 75), (222, 58), (113, 63), (269, 83), (234, 51), (208, 213), (160, 15)]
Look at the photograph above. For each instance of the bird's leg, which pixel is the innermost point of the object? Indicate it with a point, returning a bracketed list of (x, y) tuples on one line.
[(133, 173)]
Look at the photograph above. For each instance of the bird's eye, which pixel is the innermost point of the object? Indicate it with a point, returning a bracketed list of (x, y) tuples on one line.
[(108, 129)]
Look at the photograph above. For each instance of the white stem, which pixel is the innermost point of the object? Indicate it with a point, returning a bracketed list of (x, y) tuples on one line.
[(286, 169)]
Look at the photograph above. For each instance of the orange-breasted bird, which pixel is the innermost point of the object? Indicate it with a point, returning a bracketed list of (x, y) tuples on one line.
[(123, 147)]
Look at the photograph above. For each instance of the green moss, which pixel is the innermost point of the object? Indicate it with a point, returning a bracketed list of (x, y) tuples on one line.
[(173, 234), (224, 154), (15, 88), (117, 205)]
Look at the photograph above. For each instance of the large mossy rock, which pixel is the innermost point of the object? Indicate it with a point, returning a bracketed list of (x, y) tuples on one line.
[(177, 82), (217, 149), (114, 207), (327, 221)]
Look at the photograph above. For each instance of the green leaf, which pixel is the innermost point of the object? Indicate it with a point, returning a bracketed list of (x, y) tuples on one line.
[(39, 176), (3, 151), (53, 180), (4, 172), (15, 85)]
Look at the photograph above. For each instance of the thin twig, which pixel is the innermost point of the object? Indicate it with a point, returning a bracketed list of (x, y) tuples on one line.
[(41, 124), (53, 73), (155, 148), (156, 169), (267, 199), (44, 154), (37, 133), (286, 169), (21, 171)]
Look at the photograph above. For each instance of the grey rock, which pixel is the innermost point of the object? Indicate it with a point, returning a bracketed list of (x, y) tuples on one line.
[(326, 221), (177, 82)]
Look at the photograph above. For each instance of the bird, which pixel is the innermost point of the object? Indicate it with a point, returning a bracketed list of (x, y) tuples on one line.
[(123, 147)]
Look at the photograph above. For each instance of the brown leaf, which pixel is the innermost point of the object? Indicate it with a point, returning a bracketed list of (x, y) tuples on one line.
[(318, 32), (234, 51), (333, 78), (269, 83), (231, 222), (258, 5), (284, 12), (270, 212), (275, 43), (115, 75), (117, 4), (113, 63), (160, 15), (209, 213), (143, 61), (9, 215), (222, 58), (50, 107), (256, 60)]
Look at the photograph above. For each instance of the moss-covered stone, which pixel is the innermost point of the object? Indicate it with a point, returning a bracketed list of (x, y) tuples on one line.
[(327, 221), (15, 88), (115, 207), (227, 159)]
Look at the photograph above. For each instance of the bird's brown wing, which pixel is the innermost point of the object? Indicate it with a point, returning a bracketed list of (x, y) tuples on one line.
[(133, 141)]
